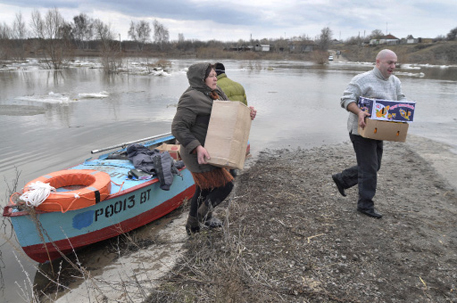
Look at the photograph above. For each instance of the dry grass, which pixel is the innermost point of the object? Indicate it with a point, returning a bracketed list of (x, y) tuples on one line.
[(216, 269), (320, 57), (297, 240)]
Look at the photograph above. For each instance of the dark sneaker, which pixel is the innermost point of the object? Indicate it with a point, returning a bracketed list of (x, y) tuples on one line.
[(339, 185), (370, 212)]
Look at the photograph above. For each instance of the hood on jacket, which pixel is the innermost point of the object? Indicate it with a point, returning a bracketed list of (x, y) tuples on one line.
[(196, 77)]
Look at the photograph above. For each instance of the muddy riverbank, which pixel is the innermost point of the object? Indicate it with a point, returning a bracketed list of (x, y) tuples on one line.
[(290, 237)]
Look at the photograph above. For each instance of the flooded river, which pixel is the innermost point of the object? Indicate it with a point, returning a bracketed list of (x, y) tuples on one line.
[(52, 120)]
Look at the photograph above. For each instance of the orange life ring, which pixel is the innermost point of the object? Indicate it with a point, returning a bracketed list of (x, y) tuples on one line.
[(96, 186)]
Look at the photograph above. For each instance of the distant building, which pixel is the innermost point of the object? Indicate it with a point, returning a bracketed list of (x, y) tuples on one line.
[(387, 40), (411, 40), (374, 42), (262, 47), (301, 46)]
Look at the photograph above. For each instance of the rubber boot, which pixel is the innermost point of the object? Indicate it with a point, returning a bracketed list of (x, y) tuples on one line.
[(205, 216), (192, 225), (203, 212), (213, 222)]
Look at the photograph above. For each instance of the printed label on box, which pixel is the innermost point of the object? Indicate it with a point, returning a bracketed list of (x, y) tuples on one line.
[(388, 110)]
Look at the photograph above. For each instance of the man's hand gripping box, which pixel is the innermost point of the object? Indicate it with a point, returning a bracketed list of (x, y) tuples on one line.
[(388, 119)]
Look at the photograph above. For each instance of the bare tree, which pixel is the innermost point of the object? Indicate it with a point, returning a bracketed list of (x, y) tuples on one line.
[(323, 42), (354, 40), (281, 45), (110, 49), (304, 37), (5, 41), (301, 44), (132, 32), (52, 32), (19, 33), (5, 31), (140, 32), (67, 38), (19, 27), (440, 38), (376, 34), (452, 35), (161, 34), (325, 39), (83, 30), (102, 31)]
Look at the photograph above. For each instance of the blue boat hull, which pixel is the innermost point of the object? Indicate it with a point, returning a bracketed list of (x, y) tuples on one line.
[(131, 204)]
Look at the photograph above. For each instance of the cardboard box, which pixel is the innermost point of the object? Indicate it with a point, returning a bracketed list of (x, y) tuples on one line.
[(388, 110), (172, 149), (228, 134), (384, 130)]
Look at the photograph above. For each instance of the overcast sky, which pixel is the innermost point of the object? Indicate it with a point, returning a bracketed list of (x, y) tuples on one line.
[(242, 19)]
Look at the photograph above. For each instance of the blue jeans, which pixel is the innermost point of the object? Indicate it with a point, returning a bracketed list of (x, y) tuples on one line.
[(368, 153)]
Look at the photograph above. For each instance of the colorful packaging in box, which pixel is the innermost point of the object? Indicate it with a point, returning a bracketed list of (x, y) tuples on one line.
[(388, 110)]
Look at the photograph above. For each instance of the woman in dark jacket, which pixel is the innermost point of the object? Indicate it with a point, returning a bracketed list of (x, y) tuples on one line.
[(190, 125)]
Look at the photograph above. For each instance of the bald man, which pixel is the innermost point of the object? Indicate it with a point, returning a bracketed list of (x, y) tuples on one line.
[(378, 83)]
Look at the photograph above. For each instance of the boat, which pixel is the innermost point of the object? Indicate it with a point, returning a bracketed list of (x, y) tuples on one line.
[(48, 233)]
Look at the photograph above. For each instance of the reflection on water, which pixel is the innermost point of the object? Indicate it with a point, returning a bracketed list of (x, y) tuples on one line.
[(21, 110), (45, 124), (441, 73)]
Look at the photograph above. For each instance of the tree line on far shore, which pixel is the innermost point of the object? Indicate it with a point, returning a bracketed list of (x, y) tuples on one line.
[(54, 40)]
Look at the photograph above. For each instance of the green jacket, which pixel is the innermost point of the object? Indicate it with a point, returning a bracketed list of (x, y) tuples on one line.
[(191, 120), (233, 90)]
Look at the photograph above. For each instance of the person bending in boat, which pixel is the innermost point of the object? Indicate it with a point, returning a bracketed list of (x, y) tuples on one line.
[(190, 125)]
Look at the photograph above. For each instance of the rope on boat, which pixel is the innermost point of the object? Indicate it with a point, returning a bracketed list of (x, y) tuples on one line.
[(120, 185), (37, 194)]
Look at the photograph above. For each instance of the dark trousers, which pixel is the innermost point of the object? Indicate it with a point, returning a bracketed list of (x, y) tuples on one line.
[(365, 173), (213, 196)]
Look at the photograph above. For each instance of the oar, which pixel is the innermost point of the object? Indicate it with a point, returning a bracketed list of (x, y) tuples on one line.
[(128, 143)]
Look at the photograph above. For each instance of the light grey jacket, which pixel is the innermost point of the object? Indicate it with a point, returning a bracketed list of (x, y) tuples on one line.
[(370, 84)]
